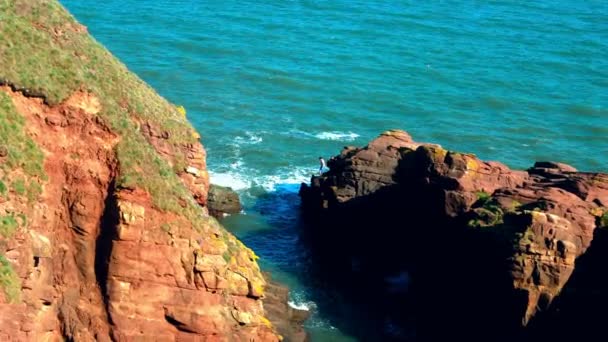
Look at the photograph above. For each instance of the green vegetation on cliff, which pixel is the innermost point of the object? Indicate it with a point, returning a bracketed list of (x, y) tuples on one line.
[(9, 281), (604, 220), (50, 55), (482, 197), (8, 225), (21, 171), (20, 152)]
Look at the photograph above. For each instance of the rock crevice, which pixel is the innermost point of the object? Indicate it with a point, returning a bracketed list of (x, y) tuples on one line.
[(100, 262)]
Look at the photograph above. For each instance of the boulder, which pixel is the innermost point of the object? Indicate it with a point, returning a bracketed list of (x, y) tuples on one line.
[(223, 200)]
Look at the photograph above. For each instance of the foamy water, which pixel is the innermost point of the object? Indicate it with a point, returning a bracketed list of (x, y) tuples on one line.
[(248, 138), (240, 178), (337, 136), (232, 180)]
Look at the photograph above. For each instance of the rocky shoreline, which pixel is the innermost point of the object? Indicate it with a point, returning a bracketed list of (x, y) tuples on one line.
[(485, 252), (287, 320)]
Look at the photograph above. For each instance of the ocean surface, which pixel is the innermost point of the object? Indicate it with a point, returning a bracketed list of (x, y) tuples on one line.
[(273, 85)]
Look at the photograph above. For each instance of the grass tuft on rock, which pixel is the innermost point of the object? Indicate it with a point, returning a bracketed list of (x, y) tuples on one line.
[(9, 281), (21, 151), (8, 225)]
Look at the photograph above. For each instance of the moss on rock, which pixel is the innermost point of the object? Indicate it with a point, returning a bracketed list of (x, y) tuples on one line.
[(8, 225)]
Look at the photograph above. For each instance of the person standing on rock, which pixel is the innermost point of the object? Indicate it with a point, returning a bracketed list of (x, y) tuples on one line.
[(322, 165)]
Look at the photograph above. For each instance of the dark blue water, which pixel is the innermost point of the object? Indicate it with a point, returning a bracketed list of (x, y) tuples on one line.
[(272, 85)]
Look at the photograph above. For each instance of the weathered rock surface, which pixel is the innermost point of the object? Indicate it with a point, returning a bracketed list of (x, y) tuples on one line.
[(189, 160), (104, 229), (98, 262), (223, 200), (287, 319), (453, 220)]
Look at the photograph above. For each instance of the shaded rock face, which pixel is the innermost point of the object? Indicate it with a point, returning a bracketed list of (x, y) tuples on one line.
[(96, 262), (489, 248), (223, 200)]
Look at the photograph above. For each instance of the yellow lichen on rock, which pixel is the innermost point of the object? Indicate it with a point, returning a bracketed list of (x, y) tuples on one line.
[(181, 110), (472, 164)]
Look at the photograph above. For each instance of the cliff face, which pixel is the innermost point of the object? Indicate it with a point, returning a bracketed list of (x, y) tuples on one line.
[(104, 234), (489, 249)]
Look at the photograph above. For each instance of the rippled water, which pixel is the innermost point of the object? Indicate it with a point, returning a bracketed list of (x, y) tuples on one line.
[(271, 85)]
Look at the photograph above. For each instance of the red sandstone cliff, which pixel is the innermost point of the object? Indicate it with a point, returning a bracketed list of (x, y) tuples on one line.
[(104, 234), (97, 262)]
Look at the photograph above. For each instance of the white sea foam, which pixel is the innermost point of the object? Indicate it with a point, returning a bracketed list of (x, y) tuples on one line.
[(301, 306), (299, 301), (237, 164), (297, 133), (249, 139), (285, 176), (230, 179), (240, 178), (337, 136)]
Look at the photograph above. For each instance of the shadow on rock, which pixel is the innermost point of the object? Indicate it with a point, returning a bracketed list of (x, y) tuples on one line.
[(340, 286)]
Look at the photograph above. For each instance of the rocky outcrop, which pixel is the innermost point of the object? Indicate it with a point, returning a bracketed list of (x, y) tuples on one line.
[(223, 200), (104, 230), (395, 159), (169, 281), (100, 262), (514, 236)]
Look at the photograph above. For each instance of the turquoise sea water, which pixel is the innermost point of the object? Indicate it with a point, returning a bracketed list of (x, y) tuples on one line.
[(272, 85)]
